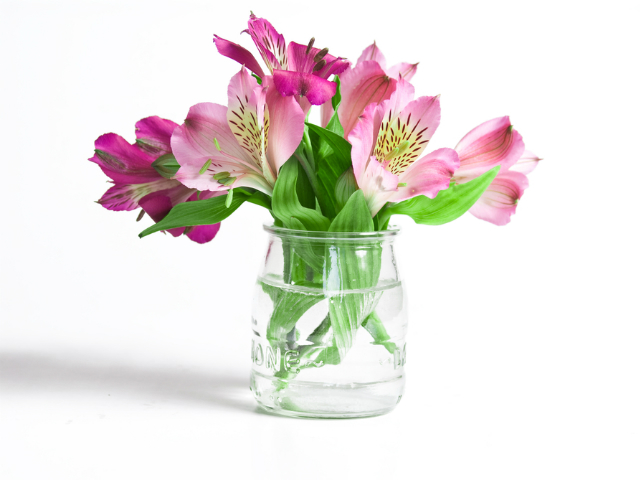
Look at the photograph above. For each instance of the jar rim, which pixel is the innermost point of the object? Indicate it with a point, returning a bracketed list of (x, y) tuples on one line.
[(392, 231)]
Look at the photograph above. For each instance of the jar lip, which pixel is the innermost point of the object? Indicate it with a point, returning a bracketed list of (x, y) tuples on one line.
[(392, 231)]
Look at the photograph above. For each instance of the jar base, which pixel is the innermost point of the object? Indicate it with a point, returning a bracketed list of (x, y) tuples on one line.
[(303, 399)]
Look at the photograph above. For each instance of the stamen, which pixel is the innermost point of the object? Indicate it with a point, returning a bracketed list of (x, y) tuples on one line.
[(140, 215), (227, 202), (205, 167), (310, 46), (221, 175), (320, 65), (215, 140), (402, 184), (320, 55), (227, 182), (399, 150)]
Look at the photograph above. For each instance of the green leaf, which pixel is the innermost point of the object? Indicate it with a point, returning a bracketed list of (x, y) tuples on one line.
[(288, 308), (303, 247), (166, 165), (304, 189), (200, 212), (334, 122), (352, 269), (373, 324), (332, 155), (285, 202), (354, 217), (448, 205), (335, 101)]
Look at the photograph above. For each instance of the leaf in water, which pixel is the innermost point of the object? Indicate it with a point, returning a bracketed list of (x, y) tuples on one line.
[(288, 308), (448, 205), (373, 324), (350, 269), (304, 248)]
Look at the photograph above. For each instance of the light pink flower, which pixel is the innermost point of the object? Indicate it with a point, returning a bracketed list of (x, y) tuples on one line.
[(298, 70), (242, 145), (370, 81), (387, 142), (136, 182), (493, 143)]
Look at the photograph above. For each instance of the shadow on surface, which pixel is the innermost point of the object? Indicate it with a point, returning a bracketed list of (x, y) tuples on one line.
[(40, 373)]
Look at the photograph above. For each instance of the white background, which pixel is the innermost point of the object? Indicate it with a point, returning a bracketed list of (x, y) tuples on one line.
[(123, 358)]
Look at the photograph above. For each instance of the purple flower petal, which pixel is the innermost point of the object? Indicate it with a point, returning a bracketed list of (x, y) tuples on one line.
[(239, 54), (123, 162), (153, 134), (270, 43), (317, 90)]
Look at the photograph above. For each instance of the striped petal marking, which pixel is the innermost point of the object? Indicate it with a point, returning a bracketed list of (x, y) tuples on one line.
[(404, 136)]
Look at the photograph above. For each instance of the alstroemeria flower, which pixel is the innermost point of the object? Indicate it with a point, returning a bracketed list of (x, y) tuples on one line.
[(298, 70), (243, 145), (370, 81), (493, 143), (387, 142), (137, 184)]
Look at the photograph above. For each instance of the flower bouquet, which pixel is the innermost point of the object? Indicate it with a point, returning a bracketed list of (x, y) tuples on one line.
[(329, 314)]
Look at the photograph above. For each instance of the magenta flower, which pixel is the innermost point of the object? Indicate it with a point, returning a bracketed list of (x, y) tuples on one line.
[(137, 184), (370, 81), (493, 143), (386, 143), (298, 70), (243, 145)]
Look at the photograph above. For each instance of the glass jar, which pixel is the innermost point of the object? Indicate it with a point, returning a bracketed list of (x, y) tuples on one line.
[(329, 323)]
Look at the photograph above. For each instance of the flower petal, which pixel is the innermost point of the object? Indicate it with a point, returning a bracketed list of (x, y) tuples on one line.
[(270, 43), (316, 89), (366, 83), (372, 53), (239, 54), (285, 126), (125, 196), (428, 175), (190, 176), (405, 134), (203, 233), (526, 164), (246, 115), (157, 204), (362, 138), (402, 70), (499, 201), (123, 162), (194, 144), (326, 112), (377, 184), (153, 134), (492, 143), (334, 66)]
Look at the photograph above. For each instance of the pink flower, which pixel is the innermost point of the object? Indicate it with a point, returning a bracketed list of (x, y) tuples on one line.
[(298, 70), (242, 145), (387, 142), (136, 181), (493, 143), (370, 81)]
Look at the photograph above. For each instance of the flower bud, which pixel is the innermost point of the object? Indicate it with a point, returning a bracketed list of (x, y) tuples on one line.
[(166, 165), (345, 186)]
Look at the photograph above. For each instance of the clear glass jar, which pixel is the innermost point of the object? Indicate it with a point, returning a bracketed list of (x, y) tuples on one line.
[(329, 324)]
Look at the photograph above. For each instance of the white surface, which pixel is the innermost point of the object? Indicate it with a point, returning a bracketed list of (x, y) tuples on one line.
[(129, 359)]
